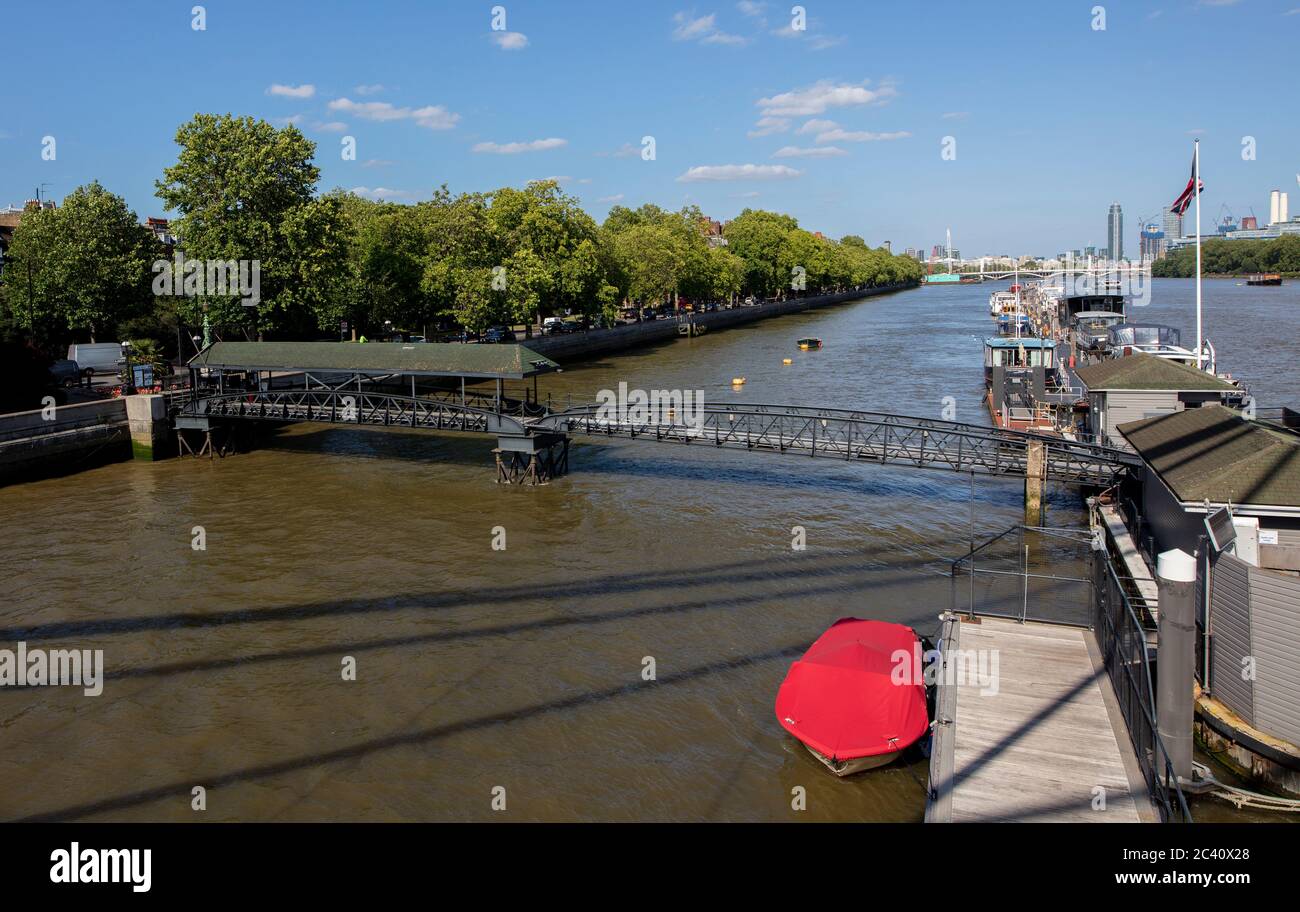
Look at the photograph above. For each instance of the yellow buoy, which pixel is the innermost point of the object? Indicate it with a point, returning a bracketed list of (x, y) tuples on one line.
[(737, 381), (787, 361)]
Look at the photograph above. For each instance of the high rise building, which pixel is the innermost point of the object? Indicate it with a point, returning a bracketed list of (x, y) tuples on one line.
[(1152, 242), (1173, 223), (1115, 232)]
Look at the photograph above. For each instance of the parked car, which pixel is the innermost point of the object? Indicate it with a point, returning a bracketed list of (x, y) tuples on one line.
[(97, 357), (499, 334), (553, 326), (67, 373)]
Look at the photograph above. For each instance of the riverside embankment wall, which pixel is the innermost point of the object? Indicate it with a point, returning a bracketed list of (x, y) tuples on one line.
[(599, 341), (44, 441)]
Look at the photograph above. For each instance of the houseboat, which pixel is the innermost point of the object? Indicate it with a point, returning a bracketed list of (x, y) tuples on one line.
[(1090, 329), (1162, 342), (1266, 278), (1025, 391)]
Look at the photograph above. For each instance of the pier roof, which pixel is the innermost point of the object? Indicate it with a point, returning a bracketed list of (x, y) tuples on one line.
[(1213, 453), (1140, 371), (439, 359)]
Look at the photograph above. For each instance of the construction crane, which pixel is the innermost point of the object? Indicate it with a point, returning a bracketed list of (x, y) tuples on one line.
[(1226, 222)]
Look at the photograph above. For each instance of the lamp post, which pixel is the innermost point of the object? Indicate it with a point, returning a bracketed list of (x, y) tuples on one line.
[(128, 380)]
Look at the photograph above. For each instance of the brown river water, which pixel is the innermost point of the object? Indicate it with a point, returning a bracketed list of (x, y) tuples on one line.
[(519, 668)]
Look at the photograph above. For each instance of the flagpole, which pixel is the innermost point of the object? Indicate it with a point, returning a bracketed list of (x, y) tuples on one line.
[(1196, 185)]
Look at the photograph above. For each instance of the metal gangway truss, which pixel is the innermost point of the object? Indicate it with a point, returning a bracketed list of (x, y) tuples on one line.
[(851, 435), (846, 435)]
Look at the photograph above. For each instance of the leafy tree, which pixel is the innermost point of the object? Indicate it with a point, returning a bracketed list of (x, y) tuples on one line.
[(245, 192), (89, 262)]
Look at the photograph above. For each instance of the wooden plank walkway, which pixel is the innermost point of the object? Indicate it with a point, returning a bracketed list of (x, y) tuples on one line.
[(1035, 746)]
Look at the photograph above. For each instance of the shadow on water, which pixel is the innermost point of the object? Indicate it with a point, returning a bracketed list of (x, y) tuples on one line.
[(733, 573), (418, 737)]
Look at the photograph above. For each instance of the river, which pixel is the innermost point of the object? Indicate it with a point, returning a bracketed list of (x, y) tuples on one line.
[(519, 668)]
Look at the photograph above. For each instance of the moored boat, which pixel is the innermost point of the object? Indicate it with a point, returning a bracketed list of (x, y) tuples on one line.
[(855, 699), (809, 343), (1267, 278)]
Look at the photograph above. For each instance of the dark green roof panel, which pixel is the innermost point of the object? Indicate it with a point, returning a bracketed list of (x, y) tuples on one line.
[(442, 359), (1212, 453), (1140, 371)]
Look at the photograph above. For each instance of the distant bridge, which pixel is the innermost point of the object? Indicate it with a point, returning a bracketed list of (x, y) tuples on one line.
[(528, 433), (1045, 274)]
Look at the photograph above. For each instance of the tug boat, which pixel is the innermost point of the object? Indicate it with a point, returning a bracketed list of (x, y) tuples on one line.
[(844, 700), (809, 343)]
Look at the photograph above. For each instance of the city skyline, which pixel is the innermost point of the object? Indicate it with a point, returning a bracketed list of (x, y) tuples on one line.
[(835, 123)]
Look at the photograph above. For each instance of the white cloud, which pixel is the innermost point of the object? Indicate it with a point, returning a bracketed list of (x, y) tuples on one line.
[(751, 8), (617, 197), (306, 90), (816, 126), (373, 88), (376, 163), (738, 172), (766, 126), (858, 136), (822, 95), (434, 117), (627, 150), (724, 38), (514, 148), (691, 28), (956, 115), (822, 42), (294, 119), (510, 41), (333, 126), (748, 194), (379, 193), (798, 152)]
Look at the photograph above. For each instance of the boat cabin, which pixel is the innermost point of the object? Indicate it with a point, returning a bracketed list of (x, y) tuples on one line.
[(1071, 305), (1091, 328), (1025, 353)]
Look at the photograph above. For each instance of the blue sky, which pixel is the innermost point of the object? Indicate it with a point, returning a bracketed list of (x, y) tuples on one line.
[(1052, 118)]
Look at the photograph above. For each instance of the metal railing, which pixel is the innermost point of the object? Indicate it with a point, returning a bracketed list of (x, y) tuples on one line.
[(1126, 656), (1107, 603), (1004, 569)]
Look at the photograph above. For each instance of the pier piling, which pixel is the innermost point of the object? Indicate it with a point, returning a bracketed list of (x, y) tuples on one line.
[(1035, 480)]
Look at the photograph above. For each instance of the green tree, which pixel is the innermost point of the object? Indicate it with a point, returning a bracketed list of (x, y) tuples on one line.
[(89, 262), (245, 192)]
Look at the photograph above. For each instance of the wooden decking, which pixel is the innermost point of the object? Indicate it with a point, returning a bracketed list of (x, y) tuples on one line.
[(1039, 747)]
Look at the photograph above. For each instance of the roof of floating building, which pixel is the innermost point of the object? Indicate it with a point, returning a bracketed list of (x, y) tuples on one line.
[(1213, 453), (1140, 371), (437, 359)]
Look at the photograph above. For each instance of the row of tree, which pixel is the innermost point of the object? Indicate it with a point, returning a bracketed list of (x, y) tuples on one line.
[(1233, 258), (243, 190)]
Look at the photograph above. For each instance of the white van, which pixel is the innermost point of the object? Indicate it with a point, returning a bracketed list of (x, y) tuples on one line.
[(97, 357)]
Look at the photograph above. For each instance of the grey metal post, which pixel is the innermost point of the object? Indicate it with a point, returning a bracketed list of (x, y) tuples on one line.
[(1176, 656)]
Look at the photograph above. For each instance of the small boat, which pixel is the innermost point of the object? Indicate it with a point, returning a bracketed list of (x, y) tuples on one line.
[(1269, 278), (848, 701), (809, 343), (737, 381)]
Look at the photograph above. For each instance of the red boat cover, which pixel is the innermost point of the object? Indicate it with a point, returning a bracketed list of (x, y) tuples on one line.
[(840, 700)]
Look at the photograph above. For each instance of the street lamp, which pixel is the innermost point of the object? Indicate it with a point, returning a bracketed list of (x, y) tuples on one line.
[(128, 381)]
